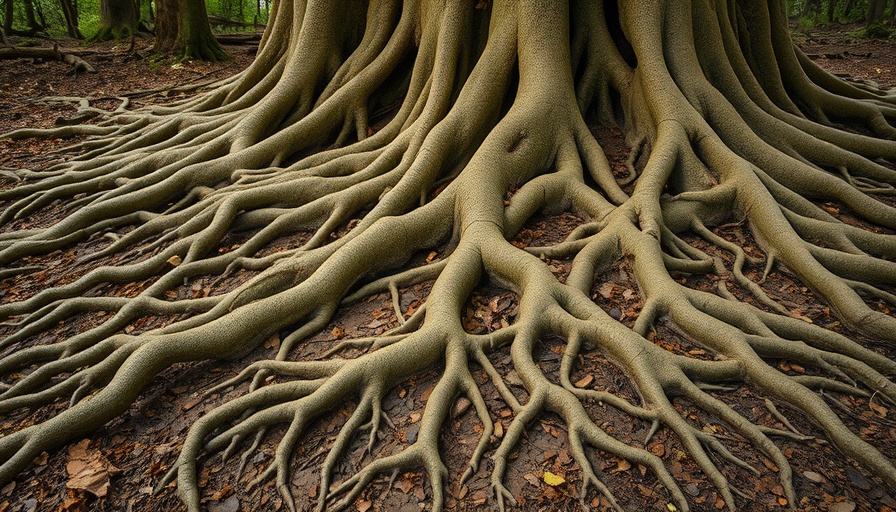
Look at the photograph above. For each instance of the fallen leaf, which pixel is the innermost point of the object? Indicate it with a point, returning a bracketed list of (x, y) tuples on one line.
[(622, 465), (879, 409), (405, 485), (564, 457), (552, 479), (843, 506), (364, 505), (272, 342), (174, 260), (532, 479), (813, 477), (499, 430), (584, 381), (89, 470)]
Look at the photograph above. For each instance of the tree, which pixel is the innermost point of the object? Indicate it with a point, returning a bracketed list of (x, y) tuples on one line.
[(734, 125), (182, 30), (118, 19), (70, 13), (875, 12)]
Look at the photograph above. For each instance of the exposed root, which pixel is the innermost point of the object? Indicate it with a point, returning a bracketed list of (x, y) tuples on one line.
[(441, 128)]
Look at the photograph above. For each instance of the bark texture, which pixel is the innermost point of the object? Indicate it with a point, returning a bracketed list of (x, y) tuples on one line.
[(118, 19), (182, 31), (487, 104)]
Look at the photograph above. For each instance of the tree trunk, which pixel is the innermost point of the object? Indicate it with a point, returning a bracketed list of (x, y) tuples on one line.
[(8, 12), (875, 13), (399, 155), (832, 8), (183, 31), (71, 19), (30, 18), (118, 19)]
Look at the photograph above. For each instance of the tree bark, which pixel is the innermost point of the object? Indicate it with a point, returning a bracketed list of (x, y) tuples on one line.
[(183, 31), (118, 19), (875, 12), (30, 18), (7, 17), (70, 13)]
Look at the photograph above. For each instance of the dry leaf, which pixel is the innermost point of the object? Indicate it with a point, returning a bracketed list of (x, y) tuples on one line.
[(584, 381), (405, 485), (622, 465), (879, 409), (364, 505), (532, 479), (552, 479), (88, 470), (174, 260)]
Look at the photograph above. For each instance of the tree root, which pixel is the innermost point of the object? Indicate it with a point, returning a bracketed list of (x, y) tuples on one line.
[(486, 128)]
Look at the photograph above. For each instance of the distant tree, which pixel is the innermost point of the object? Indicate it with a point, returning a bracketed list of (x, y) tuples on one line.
[(70, 13), (182, 30), (7, 17), (118, 19), (876, 10)]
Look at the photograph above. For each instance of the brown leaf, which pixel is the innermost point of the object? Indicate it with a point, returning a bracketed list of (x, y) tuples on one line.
[(92, 476), (584, 381), (364, 505), (658, 449), (405, 485), (879, 409), (273, 342), (532, 479), (223, 493), (621, 465)]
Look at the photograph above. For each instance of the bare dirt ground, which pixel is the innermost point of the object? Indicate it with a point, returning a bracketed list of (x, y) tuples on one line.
[(119, 467)]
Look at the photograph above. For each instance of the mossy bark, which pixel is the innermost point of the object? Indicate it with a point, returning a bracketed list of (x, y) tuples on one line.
[(183, 31), (488, 103), (118, 20)]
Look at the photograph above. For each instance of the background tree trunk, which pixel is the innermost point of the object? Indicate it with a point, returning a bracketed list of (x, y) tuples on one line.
[(7, 17), (70, 13), (183, 31), (118, 19), (30, 18), (875, 12)]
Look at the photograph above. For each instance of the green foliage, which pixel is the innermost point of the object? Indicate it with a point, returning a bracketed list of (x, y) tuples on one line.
[(877, 31)]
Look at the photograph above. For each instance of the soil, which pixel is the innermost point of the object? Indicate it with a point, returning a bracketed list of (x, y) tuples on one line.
[(120, 466), (841, 50)]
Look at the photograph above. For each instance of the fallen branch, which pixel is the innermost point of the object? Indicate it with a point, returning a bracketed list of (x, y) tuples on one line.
[(78, 64)]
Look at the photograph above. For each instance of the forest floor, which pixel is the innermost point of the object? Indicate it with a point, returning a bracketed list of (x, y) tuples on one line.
[(118, 467)]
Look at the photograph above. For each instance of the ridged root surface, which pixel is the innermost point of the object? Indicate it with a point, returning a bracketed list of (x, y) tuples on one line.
[(449, 125)]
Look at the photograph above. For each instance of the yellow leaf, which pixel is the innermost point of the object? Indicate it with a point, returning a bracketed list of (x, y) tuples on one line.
[(552, 479), (671, 507), (174, 260)]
